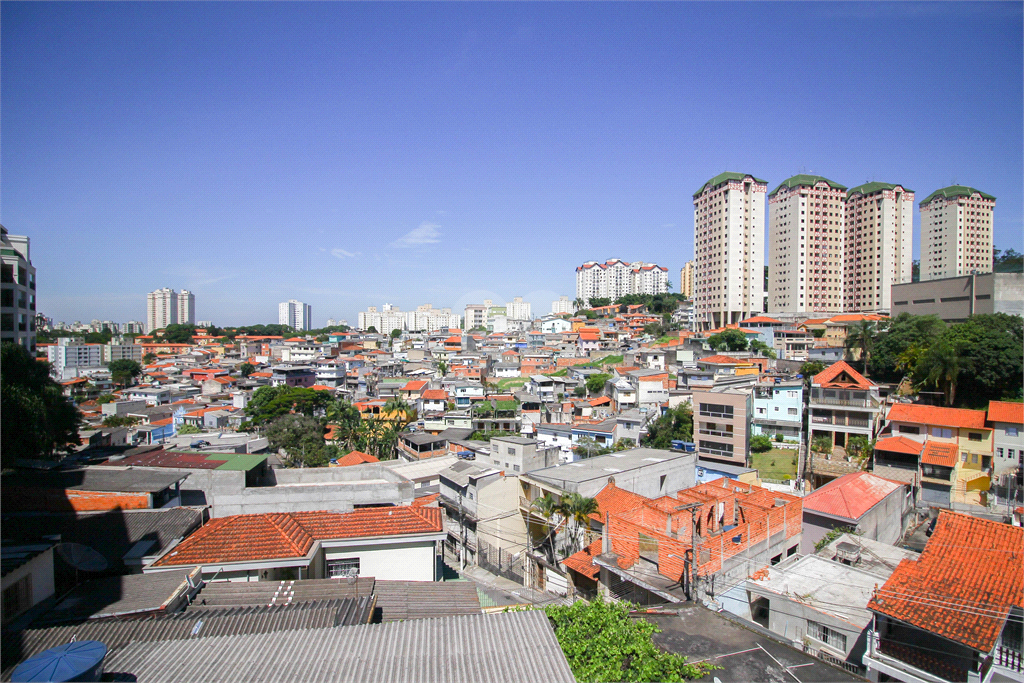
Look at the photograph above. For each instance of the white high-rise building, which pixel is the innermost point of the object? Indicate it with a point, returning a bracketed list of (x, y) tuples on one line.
[(385, 321), (956, 232), (186, 308), (68, 356), (563, 305), (728, 245), (18, 286), (879, 249), (517, 309), (295, 314), (426, 318), (476, 316), (805, 272), (161, 309), (616, 278)]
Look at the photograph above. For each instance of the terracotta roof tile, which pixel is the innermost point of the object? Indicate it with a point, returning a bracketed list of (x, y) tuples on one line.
[(613, 499), (850, 496), (1001, 411), (842, 374), (933, 415), (356, 458), (251, 538), (938, 453), (963, 584), (435, 395), (899, 444), (722, 360)]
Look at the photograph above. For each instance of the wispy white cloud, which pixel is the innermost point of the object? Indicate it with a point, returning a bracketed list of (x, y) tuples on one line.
[(427, 233), (342, 254)]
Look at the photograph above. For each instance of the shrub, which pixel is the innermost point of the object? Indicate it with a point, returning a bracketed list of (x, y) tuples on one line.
[(760, 443), (779, 438)]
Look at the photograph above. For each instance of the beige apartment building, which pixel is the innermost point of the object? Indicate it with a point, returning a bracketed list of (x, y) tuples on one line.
[(728, 246), (686, 280), (879, 249), (721, 425), (956, 232), (806, 228)]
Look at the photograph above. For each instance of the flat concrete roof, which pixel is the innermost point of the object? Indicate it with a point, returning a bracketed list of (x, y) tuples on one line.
[(602, 466), (522, 440), (107, 479)]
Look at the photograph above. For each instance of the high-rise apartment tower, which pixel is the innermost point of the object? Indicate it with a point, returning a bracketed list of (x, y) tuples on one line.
[(161, 309), (728, 246), (295, 314), (956, 232), (879, 249)]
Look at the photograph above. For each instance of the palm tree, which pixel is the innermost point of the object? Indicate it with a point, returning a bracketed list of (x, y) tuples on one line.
[(579, 303), (577, 509), (547, 506), (941, 366), (399, 410), (862, 336)]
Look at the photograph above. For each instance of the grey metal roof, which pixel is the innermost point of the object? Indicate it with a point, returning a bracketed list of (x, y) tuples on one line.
[(108, 479), (133, 594), (426, 599), (259, 593), (111, 533), (200, 623), (514, 647), (13, 556)]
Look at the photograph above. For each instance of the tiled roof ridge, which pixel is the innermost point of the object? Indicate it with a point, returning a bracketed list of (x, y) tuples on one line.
[(289, 527)]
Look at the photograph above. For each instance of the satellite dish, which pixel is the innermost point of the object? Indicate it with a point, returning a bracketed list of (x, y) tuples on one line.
[(82, 557)]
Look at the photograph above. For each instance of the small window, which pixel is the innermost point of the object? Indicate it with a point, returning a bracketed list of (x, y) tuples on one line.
[(1011, 431), (344, 568), (942, 433), (826, 635), (963, 457), (904, 429), (974, 436), (792, 411), (999, 452), (511, 451), (515, 468)]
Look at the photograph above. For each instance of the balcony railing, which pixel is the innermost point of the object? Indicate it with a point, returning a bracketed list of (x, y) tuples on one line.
[(856, 402), (840, 421), (1009, 658), (949, 668), (712, 432)]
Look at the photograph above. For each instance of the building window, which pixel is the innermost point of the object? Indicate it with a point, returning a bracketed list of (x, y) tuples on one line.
[(904, 429), (792, 411), (999, 452), (942, 433), (826, 635), (511, 451), (1011, 431), (344, 568), (18, 596), (974, 436)]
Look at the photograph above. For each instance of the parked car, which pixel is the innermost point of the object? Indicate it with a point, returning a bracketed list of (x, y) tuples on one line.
[(199, 443)]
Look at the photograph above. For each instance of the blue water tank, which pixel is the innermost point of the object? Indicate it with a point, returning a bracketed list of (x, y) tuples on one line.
[(78, 661)]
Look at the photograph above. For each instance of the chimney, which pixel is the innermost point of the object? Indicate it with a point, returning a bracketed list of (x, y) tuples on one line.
[(606, 538)]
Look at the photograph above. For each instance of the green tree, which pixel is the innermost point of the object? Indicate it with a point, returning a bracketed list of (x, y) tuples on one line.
[(599, 301), (1009, 261), (897, 338), (400, 411), (595, 383), (602, 643), (860, 448), (993, 361), (106, 398), (579, 391), (246, 369), (124, 371), (372, 329), (148, 358), (758, 346), (120, 421), (38, 420), (270, 403), (395, 334), (760, 443), (654, 329), (941, 366), (861, 336), (731, 340), (577, 510), (345, 418), (189, 429), (579, 303), (822, 444), (442, 368), (302, 439), (550, 509), (676, 424), (624, 445), (587, 447), (811, 368), (178, 334)]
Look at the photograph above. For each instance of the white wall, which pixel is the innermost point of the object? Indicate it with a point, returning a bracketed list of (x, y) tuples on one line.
[(41, 569), (411, 561)]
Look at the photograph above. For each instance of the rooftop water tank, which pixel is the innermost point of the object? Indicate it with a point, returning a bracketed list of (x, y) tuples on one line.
[(78, 661)]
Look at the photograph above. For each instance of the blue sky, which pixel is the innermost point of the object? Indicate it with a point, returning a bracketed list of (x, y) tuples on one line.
[(351, 154)]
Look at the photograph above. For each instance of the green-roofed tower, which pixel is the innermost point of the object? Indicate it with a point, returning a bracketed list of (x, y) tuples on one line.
[(879, 244), (728, 249), (956, 232), (806, 214)]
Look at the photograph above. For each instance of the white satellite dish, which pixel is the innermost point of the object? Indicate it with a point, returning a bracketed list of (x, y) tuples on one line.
[(82, 557)]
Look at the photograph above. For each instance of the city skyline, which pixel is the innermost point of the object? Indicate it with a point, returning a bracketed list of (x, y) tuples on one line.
[(365, 158)]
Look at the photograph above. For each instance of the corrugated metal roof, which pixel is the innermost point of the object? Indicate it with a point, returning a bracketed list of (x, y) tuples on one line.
[(190, 624), (488, 648), (121, 595), (426, 599)]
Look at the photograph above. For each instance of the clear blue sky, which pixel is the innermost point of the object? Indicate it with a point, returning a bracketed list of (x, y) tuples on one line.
[(353, 154)]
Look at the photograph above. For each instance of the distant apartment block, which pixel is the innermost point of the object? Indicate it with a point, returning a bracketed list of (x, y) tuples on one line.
[(161, 309), (956, 232), (721, 421), (386, 320), (425, 318), (615, 278), (728, 236), (66, 357), (295, 314), (879, 247), (563, 305), (186, 308), (475, 316), (806, 227), (112, 352), (18, 291), (517, 309), (686, 279)]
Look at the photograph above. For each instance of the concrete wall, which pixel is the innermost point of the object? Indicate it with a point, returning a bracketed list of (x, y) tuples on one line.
[(337, 489), (950, 298), (788, 618), (410, 561), (499, 529), (121, 407), (40, 568), (883, 523)]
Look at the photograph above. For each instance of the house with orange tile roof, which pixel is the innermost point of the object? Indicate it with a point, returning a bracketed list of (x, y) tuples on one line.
[(644, 549), (354, 458), (876, 508), (837, 327), (842, 404), (954, 613), (1007, 423), (395, 543)]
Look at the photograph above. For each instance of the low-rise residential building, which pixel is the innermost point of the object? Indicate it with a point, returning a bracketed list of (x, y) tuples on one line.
[(293, 376), (1007, 423), (517, 455), (395, 543), (27, 576), (955, 613), (842, 404), (875, 508), (778, 411), (722, 425)]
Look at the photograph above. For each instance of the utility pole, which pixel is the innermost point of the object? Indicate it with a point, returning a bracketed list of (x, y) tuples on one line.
[(692, 579)]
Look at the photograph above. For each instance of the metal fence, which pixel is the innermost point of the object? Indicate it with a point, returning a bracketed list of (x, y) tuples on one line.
[(501, 562)]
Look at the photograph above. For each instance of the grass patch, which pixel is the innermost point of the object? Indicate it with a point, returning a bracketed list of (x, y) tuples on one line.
[(778, 463), (512, 382), (610, 360)]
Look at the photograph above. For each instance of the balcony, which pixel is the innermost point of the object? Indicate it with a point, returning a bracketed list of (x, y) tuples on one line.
[(817, 397), (909, 663)]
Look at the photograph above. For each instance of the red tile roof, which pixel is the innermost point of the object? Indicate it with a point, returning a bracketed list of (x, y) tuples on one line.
[(842, 375), (435, 395), (938, 453), (760, 319), (933, 415), (850, 496), (722, 360), (161, 458), (856, 317), (414, 385), (613, 499), (899, 444), (356, 458), (1001, 411), (252, 538), (963, 585)]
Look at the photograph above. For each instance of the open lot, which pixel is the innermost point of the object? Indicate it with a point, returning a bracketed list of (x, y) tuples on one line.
[(778, 463)]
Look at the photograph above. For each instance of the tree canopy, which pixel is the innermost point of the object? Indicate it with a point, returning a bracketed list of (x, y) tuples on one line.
[(301, 437), (595, 383), (728, 340), (676, 424), (124, 371), (269, 403), (38, 420)]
